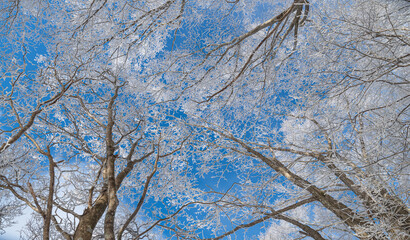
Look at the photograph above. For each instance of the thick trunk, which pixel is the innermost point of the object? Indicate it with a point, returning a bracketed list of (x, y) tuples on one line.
[(112, 201), (47, 220), (90, 218), (109, 173)]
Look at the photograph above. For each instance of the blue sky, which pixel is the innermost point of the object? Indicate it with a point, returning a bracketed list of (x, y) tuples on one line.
[(239, 122)]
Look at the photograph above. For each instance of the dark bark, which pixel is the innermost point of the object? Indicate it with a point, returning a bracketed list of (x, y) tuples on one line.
[(90, 218), (50, 199)]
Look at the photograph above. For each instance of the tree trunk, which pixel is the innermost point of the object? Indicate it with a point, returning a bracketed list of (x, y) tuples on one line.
[(90, 218)]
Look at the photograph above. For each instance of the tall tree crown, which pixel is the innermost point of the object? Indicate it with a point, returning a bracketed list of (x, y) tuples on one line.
[(207, 119)]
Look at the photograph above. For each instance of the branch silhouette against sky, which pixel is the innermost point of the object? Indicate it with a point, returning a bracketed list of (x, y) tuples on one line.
[(179, 119)]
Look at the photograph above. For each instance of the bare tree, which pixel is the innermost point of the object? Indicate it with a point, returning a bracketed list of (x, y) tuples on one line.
[(329, 130), (117, 117)]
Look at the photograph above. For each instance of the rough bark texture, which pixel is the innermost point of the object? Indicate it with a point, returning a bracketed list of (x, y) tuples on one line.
[(112, 201), (90, 218), (47, 220)]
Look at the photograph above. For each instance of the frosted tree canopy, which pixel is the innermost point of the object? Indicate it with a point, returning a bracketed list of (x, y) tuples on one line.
[(207, 119)]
